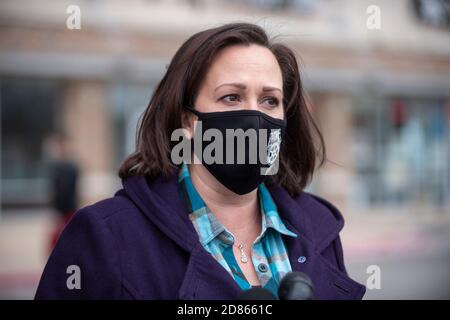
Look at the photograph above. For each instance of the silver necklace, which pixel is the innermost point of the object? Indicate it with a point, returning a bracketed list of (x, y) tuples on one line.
[(243, 255)]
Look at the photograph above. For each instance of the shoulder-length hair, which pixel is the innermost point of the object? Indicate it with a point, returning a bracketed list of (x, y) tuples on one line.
[(302, 146)]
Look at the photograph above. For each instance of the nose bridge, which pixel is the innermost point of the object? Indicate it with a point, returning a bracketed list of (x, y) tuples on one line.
[(252, 105), (252, 99)]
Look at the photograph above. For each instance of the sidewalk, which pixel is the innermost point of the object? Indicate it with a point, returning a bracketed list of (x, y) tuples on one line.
[(412, 251), (24, 241)]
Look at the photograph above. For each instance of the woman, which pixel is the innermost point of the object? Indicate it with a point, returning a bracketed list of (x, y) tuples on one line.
[(211, 229)]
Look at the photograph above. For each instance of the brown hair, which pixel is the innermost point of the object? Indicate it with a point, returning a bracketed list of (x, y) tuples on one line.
[(180, 86)]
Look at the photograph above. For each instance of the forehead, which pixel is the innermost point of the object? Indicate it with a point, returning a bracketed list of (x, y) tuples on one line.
[(245, 63)]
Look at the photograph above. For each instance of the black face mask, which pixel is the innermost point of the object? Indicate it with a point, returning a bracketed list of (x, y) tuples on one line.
[(241, 178)]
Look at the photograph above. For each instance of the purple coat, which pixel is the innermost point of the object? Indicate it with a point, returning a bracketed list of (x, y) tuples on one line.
[(140, 244)]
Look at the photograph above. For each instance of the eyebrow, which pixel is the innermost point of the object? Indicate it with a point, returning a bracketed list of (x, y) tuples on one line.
[(243, 87)]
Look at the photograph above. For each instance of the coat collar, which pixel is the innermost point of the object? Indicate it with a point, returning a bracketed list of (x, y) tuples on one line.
[(160, 201), (311, 216)]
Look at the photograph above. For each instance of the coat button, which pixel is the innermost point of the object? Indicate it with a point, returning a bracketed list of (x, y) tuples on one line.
[(301, 259), (262, 267)]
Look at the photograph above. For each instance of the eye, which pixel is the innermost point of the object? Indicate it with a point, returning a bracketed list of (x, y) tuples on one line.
[(230, 98), (272, 101)]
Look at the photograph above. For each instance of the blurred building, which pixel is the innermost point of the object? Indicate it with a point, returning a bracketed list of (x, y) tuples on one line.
[(381, 96)]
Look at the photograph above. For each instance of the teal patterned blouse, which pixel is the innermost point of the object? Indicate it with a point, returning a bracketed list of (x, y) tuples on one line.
[(269, 255)]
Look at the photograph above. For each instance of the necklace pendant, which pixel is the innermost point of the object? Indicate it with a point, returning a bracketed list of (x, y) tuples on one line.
[(243, 255)]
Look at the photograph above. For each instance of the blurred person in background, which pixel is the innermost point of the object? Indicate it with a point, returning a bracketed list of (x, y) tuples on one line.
[(63, 182), (201, 231)]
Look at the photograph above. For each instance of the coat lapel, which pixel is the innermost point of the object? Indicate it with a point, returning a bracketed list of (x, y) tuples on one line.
[(206, 279), (305, 251)]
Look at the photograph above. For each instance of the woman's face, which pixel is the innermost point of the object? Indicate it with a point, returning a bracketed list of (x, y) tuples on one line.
[(243, 77)]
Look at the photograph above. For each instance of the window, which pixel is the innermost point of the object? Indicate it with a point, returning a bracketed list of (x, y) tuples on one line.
[(27, 117)]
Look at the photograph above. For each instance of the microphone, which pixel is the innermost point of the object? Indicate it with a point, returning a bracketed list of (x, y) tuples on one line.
[(296, 286), (257, 293)]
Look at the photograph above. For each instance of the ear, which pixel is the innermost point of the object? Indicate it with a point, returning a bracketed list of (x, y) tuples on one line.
[(188, 123)]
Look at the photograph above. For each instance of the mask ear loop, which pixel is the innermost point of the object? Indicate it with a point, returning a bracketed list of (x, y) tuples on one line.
[(197, 113)]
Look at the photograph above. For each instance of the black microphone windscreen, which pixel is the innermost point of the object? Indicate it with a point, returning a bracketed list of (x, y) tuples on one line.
[(256, 294), (296, 286)]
